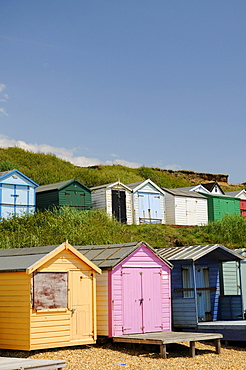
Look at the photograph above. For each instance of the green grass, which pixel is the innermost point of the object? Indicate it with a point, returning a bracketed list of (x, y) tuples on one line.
[(95, 227)]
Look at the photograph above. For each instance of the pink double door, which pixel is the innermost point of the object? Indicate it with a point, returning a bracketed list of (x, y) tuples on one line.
[(141, 300)]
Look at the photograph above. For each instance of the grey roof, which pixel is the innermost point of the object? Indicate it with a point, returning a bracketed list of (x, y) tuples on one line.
[(188, 187), (110, 184), (20, 259), (235, 193), (135, 184), (108, 256), (57, 185), (193, 253), (184, 193)]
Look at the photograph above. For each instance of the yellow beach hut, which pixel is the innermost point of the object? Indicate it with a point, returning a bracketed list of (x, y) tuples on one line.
[(47, 298)]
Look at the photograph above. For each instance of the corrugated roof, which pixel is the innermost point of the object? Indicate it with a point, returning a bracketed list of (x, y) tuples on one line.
[(20, 259), (193, 253), (184, 193), (108, 256)]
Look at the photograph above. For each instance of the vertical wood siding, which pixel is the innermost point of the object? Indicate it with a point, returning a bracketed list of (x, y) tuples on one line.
[(102, 304), (15, 311), (170, 209)]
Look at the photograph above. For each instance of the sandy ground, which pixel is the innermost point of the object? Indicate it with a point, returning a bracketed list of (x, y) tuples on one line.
[(123, 357)]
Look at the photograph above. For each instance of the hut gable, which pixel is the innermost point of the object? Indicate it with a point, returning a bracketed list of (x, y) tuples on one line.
[(148, 202), (41, 290), (116, 199), (17, 194), (213, 188), (134, 288), (69, 193), (197, 282)]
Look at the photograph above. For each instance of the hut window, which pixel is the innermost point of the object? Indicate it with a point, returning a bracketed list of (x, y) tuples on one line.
[(188, 284), (49, 290)]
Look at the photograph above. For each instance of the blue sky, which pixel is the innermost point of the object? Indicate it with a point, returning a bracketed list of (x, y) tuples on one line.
[(156, 83)]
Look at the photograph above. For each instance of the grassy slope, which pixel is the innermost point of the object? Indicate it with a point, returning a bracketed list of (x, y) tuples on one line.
[(94, 227)]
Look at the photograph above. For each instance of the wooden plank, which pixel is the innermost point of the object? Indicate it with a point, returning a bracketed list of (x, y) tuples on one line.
[(9, 363), (164, 338)]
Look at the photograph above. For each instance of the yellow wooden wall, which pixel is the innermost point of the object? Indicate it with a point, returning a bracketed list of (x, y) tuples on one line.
[(14, 310), (102, 303), (53, 328)]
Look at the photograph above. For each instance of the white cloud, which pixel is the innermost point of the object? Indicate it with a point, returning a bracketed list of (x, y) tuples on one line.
[(2, 87), (174, 167), (3, 98), (63, 153), (3, 112)]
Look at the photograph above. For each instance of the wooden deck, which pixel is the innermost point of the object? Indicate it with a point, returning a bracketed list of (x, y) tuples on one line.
[(234, 330), (164, 338), (11, 363)]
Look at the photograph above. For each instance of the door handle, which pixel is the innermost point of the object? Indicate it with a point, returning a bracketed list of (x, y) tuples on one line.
[(73, 310)]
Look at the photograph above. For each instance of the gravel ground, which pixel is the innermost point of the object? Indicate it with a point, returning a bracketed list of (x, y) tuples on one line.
[(122, 357)]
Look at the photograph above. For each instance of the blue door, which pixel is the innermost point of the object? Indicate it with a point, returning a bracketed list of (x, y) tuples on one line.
[(203, 293), (149, 207)]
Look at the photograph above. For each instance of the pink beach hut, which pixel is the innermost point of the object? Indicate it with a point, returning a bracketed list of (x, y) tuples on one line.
[(133, 292)]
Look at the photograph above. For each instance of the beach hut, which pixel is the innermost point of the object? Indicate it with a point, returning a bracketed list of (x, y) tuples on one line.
[(197, 293), (17, 194), (69, 193), (115, 199), (133, 292), (221, 205), (185, 207), (240, 194), (47, 298), (148, 202)]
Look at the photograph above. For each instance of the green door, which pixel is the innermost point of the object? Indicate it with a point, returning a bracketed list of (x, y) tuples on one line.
[(75, 199)]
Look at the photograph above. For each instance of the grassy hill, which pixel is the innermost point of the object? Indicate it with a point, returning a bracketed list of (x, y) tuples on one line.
[(95, 227), (47, 169)]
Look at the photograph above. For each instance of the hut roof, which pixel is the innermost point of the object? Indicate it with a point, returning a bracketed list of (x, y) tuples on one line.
[(184, 193), (194, 253), (29, 259), (108, 256), (59, 185)]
